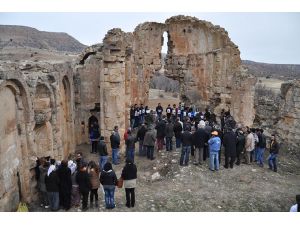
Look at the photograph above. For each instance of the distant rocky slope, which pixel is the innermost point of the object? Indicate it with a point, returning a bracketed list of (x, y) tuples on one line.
[(22, 36), (279, 71)]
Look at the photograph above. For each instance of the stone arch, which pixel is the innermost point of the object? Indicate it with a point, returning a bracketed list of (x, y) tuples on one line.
[(66, 118), (14, 129), (43, 110)]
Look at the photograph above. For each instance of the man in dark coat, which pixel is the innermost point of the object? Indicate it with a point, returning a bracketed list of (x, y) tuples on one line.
[(65, 185), (115, 145), (161, 133), (240, 146), (169, 135), (140, 137), (83, 180), (52, 186), (129, 175), (200, 138), (230, 148), (186, 138), (177, 131), (159, 110), (130, 146)]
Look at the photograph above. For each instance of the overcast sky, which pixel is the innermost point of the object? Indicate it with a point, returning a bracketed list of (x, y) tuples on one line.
[(261, 37)]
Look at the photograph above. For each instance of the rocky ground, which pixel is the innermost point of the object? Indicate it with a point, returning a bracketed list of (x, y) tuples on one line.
[(163, 185)]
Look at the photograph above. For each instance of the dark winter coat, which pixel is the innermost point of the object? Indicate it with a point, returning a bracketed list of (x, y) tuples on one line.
[(115, 140), (141, 133), (83, 180), (186, 138), (91, 121), (240, 144), (200, 137), (169, 130), (150, 137), (52, 182), (64, 174), (161, 129), (177, 129), (159, 110), (130, 142), (102, 148), (108, 178), (229, 143), (262, 142), (41, 181), (129, 171), (274, 147)]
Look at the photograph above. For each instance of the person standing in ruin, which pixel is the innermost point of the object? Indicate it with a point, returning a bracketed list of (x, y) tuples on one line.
[(200, 138), (140, 137), (249, 146), (94, 136), (169, 135), (229, 142), (129, 175), (169, 112), (178, 126), (115, 145), (41, 183), (92, 120), (130, 146), (103, 155), (254, 154), (131, 113), (65, 185), (136, 116), (240, 146), (95, 183), (149, 142), (186, 139), (262, 144), (274, 150), (159, 111), (296, 207), (83, 180), (142, 114), (52, 186), (75, 195), (161, 133), (214, 147), (174, 113), (109, 180)]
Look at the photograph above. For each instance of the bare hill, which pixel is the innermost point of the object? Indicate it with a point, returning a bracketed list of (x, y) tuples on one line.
[(278, 71), (22, 36)]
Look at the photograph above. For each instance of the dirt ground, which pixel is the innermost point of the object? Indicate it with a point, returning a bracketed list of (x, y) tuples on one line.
[(154, 99), (195, 188)]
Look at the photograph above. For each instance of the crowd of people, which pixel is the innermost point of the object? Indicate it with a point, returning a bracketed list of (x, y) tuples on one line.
[(65, 184), (198, 134)]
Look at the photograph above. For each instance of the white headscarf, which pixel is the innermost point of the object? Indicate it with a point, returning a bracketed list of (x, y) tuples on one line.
[(72, 166), (51, 169)]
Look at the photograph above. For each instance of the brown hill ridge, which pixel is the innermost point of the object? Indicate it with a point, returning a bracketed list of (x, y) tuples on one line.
[(22, 36)]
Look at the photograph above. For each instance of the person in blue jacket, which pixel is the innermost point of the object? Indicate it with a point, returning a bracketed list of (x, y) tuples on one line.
[(214, 144)]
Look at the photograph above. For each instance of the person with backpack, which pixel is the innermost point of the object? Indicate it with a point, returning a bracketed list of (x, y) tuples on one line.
[(109, 180), (130, 146), (129, 175), (149, 142), (178, 127)]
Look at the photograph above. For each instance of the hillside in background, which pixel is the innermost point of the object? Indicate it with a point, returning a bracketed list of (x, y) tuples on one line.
[(278, 71), (22, 36)]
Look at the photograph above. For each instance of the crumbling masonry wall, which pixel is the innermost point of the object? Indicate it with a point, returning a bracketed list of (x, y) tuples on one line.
[(37, 119)]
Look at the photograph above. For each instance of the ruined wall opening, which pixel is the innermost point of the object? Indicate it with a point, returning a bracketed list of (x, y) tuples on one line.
[(43, 103), (10, 150), (66, 119)]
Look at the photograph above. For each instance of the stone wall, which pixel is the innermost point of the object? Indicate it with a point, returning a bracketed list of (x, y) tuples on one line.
[(36, 120)]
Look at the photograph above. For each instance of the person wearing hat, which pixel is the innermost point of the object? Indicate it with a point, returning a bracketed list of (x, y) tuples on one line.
[(83, 181), (109, 181), (129, 175), (214, 144)]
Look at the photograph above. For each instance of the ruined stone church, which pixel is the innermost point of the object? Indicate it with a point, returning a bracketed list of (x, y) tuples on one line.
[(45, 106)]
